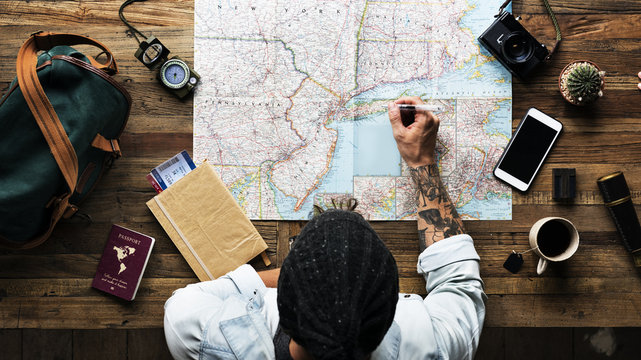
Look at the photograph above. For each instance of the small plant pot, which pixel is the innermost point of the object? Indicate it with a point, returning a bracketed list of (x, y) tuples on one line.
[(563, 88)]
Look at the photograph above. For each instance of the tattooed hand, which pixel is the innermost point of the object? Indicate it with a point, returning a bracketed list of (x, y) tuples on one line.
[(437, 216), (416, 142)]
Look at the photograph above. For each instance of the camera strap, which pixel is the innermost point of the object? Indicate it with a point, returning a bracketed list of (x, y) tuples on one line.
[(554, 21), (502, 8)]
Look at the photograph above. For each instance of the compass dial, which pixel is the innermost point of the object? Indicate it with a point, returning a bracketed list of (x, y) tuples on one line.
[(174, 74)]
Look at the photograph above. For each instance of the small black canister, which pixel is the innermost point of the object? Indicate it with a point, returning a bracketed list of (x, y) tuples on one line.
[(618, 200)]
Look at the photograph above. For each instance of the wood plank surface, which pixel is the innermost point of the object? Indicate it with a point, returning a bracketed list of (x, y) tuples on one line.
[(99, 344), (11, 343), (49, 286), (147, 344), (553, 344), (47, 344)]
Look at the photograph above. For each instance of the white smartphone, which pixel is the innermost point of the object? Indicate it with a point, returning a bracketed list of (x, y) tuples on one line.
[(527, 149)]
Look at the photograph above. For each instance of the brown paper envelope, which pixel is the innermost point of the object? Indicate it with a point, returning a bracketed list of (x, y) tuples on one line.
[(206, 223)]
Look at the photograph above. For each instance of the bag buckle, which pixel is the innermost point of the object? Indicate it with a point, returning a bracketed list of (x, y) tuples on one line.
[(107, 145), (55, 201), (42, 40), (115, 148), (70, 211)]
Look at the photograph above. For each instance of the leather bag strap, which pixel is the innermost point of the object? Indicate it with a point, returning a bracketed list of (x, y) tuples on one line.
[(37, 100), (46, 117), (47, 40), (107, 145), (44, 114)]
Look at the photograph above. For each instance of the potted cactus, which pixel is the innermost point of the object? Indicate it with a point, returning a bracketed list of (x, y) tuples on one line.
[(581, 82)]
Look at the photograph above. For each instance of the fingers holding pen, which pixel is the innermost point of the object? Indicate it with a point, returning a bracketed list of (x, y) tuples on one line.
[(413, 118), (394, 113), (408, 114), (428, 119), (416, 139)]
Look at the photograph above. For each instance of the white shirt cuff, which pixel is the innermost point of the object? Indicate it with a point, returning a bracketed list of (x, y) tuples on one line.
[(246, 280), (447, 251)]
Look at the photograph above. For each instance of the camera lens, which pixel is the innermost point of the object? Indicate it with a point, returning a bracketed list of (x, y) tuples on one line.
[(517, 47)]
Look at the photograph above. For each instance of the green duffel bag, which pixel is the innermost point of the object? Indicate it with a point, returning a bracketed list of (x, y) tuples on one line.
[(59, 127)]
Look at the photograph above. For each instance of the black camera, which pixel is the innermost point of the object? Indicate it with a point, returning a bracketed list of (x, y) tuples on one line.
[(513, 46)]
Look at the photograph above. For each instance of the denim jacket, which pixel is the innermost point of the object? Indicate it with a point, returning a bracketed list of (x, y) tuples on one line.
[(236, 316)]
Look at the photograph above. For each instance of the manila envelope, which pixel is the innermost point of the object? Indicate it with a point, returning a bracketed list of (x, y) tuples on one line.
[(206, 224)]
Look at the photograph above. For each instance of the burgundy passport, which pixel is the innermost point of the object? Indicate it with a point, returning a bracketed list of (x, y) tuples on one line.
[(123, 262)]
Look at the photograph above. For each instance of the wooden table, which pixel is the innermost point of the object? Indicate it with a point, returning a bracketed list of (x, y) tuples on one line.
[(50, 286)]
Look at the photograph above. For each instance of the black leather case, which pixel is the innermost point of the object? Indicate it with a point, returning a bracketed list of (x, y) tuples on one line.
[(616, 196)]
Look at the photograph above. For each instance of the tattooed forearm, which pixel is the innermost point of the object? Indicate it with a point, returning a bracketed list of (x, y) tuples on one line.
[(437, 216)]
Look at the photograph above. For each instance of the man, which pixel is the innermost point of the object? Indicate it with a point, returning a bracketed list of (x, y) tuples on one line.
[(337, 295)]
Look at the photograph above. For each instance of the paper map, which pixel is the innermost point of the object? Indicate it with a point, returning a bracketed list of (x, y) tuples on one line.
[(289, 108)]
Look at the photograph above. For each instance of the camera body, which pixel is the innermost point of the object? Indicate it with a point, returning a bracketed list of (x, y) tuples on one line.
[(513, 46), (175, 74)]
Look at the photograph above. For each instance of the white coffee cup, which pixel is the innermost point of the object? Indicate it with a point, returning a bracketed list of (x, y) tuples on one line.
[(553, 239)]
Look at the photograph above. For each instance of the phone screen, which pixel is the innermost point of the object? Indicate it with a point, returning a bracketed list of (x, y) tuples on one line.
[(527, 149)]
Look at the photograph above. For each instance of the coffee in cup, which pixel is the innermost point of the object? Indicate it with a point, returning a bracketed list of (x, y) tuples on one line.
[(553, 239)]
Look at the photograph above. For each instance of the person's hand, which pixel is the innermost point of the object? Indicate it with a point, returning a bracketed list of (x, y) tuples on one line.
[(417, 142), (639, 86)]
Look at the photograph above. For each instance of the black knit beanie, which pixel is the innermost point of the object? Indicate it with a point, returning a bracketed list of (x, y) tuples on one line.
[(338, 287)]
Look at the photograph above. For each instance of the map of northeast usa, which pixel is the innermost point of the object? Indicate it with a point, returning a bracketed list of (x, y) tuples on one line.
[(290, 108)]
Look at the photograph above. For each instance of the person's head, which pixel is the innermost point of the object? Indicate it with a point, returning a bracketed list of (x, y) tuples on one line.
[(338, 287)]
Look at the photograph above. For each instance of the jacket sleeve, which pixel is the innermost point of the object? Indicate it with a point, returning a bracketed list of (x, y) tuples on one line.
[(189, 309), (455, 300)]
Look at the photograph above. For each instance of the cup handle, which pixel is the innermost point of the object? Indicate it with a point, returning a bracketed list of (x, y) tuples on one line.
[(540, 268)]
